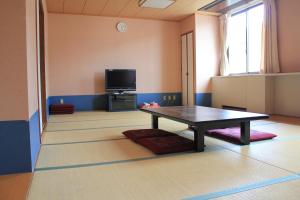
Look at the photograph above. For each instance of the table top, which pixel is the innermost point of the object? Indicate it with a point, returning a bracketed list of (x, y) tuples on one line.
[(199, 114)]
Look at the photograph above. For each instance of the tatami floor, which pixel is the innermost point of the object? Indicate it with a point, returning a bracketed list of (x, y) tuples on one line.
[(85, 156)]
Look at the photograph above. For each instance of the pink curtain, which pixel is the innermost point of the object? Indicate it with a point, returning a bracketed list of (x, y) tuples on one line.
[(224, 44), (270, 60)]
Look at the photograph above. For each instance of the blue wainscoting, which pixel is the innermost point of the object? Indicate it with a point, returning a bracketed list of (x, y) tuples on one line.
[(35, 140), (99, 102), (19, 145), (14, 147), (82, 102), (47, 107), (203, 99), (159, 98)]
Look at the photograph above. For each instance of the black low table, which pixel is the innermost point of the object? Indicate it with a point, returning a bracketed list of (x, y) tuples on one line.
[(201, 119)]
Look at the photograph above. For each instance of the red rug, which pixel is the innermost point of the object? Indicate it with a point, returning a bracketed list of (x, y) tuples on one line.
[(234, 135), (160, 141)]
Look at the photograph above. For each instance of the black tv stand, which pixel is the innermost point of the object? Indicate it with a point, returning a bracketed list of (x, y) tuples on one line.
[(121, 102), (118, 92)]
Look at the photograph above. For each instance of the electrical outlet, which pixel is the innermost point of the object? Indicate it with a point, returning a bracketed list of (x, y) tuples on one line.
[(170, 98), (61, 101), (165, 98), (174, 98)]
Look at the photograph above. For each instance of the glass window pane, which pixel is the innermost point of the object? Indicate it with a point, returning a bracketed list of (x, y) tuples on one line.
[(237, 44), (255, 24)]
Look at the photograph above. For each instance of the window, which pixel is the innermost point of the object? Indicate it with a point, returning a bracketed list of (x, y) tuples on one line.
[(244, 39)]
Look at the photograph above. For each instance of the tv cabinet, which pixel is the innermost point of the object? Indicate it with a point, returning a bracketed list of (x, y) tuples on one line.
[(121, 102)]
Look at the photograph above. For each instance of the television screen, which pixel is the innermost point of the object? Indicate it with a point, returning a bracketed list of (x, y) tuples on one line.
[(120, 79)]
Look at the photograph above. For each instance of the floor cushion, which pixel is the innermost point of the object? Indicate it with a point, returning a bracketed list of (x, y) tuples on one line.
[(146, 133), (234, 135), (167, 144)]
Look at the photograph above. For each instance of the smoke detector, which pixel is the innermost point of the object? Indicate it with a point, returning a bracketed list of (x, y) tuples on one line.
[(161, 4)]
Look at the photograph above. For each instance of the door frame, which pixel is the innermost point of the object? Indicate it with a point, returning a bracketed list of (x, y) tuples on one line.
[(194, 64), (41, 64)]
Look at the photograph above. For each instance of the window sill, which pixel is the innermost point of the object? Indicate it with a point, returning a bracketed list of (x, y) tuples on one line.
[(259, 75)]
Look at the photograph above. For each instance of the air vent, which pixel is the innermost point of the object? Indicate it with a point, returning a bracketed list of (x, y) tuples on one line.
[(211, 5), (161, 4), (223, 6)]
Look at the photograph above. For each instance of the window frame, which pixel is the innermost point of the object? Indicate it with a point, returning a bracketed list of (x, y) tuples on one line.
[(245, 10)]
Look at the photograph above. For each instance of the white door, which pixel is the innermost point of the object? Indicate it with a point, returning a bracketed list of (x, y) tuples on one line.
[(184, 70), (187, 58)]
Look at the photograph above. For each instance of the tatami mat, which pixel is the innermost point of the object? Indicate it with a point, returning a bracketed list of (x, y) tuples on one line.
[(280, 129), (174, 177), (94, 152), (96, 124), (284, 154), (103, 133), (112, 123), (58, 137), (74, 136), (85, 156), (96, 116), (287, 190), (282, 151)]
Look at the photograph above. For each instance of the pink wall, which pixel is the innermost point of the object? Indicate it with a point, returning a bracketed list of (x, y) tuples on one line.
[(188, 24), (18, 61), (31, 56), (207, 51), (13, 79), (81, 47), (289, 35), (206, 48)]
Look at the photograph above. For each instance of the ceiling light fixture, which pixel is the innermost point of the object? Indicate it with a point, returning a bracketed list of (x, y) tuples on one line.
[(161, 4)]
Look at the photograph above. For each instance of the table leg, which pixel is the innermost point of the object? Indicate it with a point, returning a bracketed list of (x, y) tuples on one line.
[(154, 122), (199, 139), (245, 132)]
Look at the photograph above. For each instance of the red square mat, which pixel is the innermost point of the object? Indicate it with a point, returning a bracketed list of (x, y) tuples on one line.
[(234, 135)]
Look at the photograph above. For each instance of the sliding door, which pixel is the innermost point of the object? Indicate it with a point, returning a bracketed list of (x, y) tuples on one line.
[(41, 64), (187, 58)]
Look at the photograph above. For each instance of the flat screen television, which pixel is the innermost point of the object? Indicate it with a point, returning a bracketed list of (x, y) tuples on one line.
[(120, 80)]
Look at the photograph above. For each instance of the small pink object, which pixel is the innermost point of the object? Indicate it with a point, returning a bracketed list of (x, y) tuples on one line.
[(151, 105)]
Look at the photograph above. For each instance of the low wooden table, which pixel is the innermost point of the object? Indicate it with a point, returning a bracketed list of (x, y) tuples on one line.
[(202, 119)]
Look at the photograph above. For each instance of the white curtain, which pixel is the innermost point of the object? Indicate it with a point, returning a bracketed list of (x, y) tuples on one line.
[(224, 27), (270, 60)]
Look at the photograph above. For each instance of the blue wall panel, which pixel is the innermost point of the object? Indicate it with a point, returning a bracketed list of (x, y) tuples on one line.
[(159, 98), (99, 102), (82, 102), (14, 147), (47, 107), (34, 132), (203, 99), (19, 145)]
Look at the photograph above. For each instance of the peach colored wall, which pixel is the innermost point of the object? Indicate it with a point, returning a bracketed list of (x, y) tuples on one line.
[(13, 79), (207, 51), (289, 35), (81, 47), (188, 24), (31, 56)]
